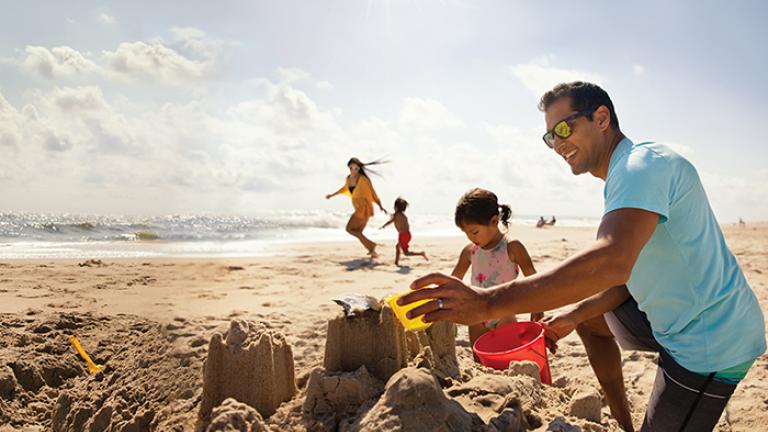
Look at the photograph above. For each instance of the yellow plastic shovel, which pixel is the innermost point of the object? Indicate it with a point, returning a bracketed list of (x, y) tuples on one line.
[(92, 367)]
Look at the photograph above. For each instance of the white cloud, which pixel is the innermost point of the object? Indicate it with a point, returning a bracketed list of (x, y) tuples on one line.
[(197, 43), (285, 110), (59, 62), (138, 60), (427, 115), (106, 18), (189, 57), (325, 85), (638, 69), (540, 75), (78, 99), (281, 149)]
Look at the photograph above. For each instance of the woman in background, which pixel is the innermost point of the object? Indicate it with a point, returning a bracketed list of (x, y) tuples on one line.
[(358, 187)]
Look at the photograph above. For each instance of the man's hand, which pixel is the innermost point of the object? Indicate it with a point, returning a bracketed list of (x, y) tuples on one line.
[(460, 303), (557, 327)]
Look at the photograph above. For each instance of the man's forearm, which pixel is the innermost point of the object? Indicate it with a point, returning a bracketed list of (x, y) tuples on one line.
[(583, 275)]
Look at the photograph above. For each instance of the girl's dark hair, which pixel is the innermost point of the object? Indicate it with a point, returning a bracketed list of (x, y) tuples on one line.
[(362, 165), (479, 206), (401, 204)]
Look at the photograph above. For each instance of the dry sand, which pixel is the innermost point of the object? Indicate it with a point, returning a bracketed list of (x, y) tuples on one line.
[(153, 323)]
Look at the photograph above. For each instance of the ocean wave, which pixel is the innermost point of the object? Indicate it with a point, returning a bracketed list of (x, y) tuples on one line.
[(267, 226), (86, 228)]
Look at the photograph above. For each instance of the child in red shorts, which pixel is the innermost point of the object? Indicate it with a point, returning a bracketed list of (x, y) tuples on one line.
[(403, 229)]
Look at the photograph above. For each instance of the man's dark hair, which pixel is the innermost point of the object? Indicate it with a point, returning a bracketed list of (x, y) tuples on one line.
[(583, 96)]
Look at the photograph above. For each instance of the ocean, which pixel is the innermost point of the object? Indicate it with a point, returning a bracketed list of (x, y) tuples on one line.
[(56, 236)]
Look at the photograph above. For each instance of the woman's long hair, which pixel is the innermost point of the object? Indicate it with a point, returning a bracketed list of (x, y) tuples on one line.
[(364, 170)]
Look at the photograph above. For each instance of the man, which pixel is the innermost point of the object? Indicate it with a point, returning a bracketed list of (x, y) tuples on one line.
[(659, 277)]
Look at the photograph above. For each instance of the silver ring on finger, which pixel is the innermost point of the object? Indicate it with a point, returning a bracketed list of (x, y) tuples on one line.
[(440, 303)]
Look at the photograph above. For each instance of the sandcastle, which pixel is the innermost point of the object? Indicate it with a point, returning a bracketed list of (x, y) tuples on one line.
[(374, 339), (375, 376), (377, 340), (253, 365)]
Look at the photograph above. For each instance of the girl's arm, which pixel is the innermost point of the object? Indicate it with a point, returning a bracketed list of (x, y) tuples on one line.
[(391, 219), (518, 254), (462, 265)]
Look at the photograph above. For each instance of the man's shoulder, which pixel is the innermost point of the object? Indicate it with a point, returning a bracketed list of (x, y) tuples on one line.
[(648, 156), (654, 151)]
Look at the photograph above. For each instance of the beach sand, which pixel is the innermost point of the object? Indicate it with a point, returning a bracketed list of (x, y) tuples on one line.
[(151, 323)]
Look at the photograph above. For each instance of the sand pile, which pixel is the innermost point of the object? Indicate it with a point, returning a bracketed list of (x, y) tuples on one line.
[(151, 379), (251, 364), (435, 348), (155, 380), (233, 416), (414, 401)]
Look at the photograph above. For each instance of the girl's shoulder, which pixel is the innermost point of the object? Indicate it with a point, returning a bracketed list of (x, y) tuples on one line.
[(514, 245), (470, 249)]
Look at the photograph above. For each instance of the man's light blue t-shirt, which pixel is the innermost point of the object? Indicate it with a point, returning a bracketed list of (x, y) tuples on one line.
[(686, 280)]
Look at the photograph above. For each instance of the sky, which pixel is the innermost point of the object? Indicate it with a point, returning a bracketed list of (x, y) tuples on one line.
[(237, 107)]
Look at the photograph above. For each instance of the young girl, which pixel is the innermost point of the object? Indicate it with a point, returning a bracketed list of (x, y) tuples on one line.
[(403, 231), (494, 258)]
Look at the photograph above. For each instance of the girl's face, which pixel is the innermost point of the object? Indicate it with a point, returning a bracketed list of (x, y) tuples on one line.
[(354, 169), (482, 235)]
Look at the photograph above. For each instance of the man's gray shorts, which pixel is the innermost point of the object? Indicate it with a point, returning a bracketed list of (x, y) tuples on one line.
[(681, 400)]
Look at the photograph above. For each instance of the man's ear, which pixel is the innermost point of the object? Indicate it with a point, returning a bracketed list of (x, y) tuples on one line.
[(602, 116)]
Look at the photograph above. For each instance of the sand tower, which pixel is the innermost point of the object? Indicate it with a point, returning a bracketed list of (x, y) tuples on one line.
[(251, 364), (374, 339)]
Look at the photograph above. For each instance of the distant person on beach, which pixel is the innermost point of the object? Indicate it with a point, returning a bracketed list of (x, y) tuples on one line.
[(403, 231), (541, 222), (492, 255), (552, 221), (659, 277), (358, 187)]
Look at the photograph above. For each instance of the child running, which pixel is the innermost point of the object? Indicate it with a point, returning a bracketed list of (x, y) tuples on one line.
[(404, 232), (494, 258)]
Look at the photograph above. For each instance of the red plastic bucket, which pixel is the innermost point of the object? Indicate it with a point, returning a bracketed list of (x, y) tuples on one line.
[(514, 342)]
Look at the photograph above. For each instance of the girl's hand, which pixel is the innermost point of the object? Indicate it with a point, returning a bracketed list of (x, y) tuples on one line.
[(558, 327), (460, 303), (329, 196), (384, 210)]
